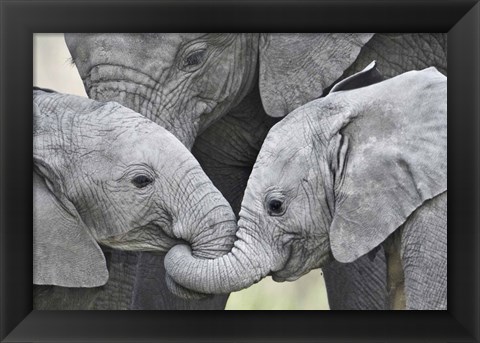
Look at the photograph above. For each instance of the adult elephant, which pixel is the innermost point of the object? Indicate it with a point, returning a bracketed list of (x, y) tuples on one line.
[(221, 93)]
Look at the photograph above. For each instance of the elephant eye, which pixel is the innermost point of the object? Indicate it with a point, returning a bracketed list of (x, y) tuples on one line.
[(194, 59), (142, 181), (275, 207)]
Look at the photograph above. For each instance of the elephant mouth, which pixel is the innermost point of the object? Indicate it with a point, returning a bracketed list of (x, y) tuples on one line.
[(151, 237), (287, 272), (290, 274), (295, 267)]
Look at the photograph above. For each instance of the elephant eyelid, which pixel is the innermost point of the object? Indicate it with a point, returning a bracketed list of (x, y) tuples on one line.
[(193, 56), (135, 170)]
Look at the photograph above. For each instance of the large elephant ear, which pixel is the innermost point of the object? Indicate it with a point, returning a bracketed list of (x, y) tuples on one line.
[(64, 252), (296, 68), (392, 143)]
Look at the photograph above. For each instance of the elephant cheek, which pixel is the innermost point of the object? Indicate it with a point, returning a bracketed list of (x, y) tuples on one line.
[(303, 255)]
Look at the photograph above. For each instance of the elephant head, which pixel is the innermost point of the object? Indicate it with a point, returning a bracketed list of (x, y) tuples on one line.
[(333, 179), (105, 174), (186, 82)]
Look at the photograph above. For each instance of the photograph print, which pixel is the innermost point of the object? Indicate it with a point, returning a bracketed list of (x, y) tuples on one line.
[(257, 171)]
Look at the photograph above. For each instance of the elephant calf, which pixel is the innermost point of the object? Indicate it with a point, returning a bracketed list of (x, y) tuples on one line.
[(105, 174), (335, 179)]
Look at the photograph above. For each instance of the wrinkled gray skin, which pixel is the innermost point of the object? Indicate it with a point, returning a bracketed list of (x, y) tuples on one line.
[(336, 178), (106, 175), (221, 93)]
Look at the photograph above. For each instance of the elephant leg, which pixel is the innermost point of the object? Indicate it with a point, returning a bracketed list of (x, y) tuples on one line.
[(228, 149), (395, 276), (63, 298), (424, 256), (360, 285)]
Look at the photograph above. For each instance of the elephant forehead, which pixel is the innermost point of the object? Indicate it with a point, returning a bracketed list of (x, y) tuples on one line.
[(287, 143), (152, 143), (146, 52), (155, 47), (122, 137), (285, 134), (281, 167)]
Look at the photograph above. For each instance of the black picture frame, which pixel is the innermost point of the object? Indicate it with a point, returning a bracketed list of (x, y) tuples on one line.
[(20, 19)]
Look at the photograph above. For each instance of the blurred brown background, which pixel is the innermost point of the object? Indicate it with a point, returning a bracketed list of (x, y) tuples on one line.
[(52, 69)]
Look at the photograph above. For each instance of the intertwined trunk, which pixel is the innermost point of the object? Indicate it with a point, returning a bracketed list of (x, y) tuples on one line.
[(248, 262)]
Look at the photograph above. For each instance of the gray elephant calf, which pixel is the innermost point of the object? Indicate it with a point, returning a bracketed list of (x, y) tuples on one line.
[(340, 176), (105, 174)]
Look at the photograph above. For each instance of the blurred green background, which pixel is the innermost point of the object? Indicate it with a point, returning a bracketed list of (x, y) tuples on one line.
[(52, 69), (307, 293)]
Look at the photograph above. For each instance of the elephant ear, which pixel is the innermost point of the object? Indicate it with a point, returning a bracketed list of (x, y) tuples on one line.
[(393, 147), (296, 68), (64, 252), (368, 76)]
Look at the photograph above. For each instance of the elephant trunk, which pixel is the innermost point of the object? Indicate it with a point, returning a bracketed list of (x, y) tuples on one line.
[(247, 263), (204, 218), (135, 92)]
